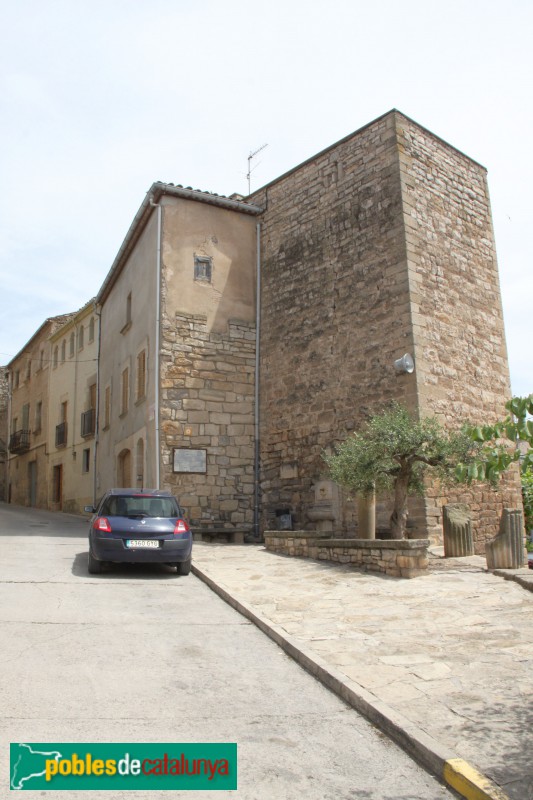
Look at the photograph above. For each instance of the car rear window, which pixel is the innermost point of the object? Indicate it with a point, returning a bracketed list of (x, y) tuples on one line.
[(141, 505)]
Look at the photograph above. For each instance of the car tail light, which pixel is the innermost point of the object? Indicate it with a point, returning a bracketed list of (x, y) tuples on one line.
[(181, 527), (102, 524)]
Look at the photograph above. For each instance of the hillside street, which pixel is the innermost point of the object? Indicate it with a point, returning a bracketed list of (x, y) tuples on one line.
[(143, 655)]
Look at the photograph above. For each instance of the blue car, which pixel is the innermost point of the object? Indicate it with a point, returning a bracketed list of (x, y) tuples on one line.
[(139, 526)]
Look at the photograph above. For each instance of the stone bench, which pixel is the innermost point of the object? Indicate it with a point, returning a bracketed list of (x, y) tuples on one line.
[(506, 550), (220, 534)]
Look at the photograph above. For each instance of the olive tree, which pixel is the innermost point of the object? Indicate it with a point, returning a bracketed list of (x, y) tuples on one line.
[(392, 453)]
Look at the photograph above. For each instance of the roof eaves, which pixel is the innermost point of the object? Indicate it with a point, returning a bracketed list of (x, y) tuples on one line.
[(50, 322)]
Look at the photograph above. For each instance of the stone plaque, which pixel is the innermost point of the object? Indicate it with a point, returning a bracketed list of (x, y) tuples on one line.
[(187, 460)]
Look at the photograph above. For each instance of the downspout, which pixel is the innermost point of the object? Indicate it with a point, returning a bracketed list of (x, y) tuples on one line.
[(256, 388), (157, 341), (98, 312)]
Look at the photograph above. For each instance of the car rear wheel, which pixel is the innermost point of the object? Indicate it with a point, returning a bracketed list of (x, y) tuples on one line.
[(95, 566), (184, 567)]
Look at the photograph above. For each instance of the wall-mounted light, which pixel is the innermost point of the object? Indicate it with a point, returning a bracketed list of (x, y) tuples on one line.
[(404, 364)]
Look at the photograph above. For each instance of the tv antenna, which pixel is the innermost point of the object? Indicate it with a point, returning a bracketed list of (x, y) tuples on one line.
[(250, 170)]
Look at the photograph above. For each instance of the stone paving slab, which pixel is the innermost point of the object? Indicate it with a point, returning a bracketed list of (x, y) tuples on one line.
[(450, 653)]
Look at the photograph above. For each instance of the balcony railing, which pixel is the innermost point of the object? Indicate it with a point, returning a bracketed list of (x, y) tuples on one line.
[(19, 442), (88, 419), (61, 434)]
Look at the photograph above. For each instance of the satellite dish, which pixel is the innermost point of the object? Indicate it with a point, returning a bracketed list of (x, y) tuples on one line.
[(404, 364)]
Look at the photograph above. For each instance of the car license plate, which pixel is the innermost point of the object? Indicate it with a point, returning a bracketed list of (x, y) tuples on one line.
[(143, 544)]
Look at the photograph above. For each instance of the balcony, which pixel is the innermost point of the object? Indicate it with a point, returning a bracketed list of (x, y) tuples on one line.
[(61, 434), (88, 420), (19, 442)]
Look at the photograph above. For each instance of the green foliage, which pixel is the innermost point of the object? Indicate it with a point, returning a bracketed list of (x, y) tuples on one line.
[(499, 444), (527, 496), (393, 452), (374, 457)]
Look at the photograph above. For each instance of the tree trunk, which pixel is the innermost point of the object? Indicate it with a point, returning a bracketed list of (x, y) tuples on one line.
[(398, 520)]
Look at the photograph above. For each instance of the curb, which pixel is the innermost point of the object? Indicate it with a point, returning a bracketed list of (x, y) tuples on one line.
[(437, 759)]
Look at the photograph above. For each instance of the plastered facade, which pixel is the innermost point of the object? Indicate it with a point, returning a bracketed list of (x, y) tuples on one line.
[(29, 373), (208, 360), (72, 412)]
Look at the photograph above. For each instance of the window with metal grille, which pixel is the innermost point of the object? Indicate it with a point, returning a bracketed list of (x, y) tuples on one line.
[(203, 267)]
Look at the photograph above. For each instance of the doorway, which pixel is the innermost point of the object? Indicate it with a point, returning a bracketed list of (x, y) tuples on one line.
[(57, 486), (32, 484)]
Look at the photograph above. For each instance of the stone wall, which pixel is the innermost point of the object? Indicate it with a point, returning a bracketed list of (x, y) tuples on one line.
[(457, 319), (3, 432), (406, 558), (207, 381), (380, 245), (335, 310)]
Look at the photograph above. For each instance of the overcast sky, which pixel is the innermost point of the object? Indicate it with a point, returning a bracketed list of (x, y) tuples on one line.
[(101, 99)]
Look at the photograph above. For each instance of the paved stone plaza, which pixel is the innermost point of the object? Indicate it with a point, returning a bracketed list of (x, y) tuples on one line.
[(450, 653)]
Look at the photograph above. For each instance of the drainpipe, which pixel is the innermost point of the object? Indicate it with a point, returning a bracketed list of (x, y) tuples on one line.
[(256, 392), (98, 312), (157, 340)]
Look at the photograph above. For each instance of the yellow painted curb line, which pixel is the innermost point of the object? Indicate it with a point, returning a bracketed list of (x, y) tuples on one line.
[(470, 783)]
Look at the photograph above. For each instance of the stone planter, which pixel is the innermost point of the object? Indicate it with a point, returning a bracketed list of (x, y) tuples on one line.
[(399, 558)]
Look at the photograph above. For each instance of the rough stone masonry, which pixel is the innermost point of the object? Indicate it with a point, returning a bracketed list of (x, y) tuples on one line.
[(380, 245)]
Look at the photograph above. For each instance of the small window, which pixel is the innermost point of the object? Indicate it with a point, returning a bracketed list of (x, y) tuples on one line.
[(203, 268), (41, 359), (80, 338), (86, 460), (63, 350), (140, 389), (56, 355), (127, 324), (91, 330), (28, 371), (16, 379), (72, 344), (38, 417), (125, 391), (107, 406)]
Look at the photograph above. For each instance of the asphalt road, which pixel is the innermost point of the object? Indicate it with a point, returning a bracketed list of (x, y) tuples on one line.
[(142, 655)]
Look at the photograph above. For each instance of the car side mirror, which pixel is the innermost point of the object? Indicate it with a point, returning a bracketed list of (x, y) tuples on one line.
[(89, 509)]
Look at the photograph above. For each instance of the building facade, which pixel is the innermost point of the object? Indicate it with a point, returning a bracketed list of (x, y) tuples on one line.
[(379, 246), (177, 388), (72, 400), (4, 427), (28, 407), (241, 339)]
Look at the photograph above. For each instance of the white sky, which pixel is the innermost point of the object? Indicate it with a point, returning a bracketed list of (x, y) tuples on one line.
[(99, 98)]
